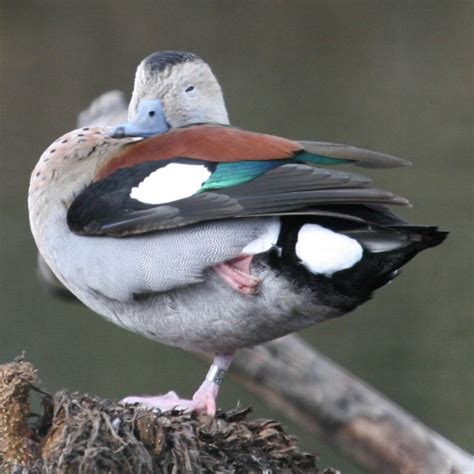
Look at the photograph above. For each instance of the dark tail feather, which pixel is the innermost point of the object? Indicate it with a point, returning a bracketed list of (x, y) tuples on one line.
[(429, 236), (378, 269)]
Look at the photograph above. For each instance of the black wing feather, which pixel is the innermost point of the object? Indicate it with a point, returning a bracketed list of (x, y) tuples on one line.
[(105, 207)]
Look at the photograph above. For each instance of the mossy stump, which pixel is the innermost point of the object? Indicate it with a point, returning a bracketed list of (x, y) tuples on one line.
[(82, 434)]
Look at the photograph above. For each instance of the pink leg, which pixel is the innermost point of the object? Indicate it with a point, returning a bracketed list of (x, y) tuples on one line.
[(203, 401), (236, 272)]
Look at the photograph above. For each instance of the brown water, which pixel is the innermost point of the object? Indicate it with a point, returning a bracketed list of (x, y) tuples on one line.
[(392, 76)]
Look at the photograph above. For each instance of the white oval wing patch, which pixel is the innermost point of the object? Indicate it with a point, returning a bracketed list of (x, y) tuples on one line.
[(170, 183), (323, 251)]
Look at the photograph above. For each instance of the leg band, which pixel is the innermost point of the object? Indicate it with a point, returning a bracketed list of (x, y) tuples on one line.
[(216, 374)]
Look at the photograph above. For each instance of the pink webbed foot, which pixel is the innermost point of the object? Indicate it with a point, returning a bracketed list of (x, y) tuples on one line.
[(203, 401), (237, 274)]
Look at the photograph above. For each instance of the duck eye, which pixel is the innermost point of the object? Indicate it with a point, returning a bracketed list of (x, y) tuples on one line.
[(151, 113), (189, 89)]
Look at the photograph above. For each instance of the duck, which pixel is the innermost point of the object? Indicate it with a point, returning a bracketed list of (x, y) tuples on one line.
[(182, 228)]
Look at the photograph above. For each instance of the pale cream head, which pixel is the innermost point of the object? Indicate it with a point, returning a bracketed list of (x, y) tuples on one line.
[(186, 86)]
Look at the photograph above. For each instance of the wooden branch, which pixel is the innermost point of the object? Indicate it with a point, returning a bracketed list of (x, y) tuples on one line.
[(321, 396), (331, 403), (81, 434)]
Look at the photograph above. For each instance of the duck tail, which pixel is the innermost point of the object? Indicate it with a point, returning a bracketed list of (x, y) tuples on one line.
[(377, 269)]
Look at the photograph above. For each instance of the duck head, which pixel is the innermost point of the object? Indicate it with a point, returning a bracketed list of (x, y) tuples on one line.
[(172, 89)]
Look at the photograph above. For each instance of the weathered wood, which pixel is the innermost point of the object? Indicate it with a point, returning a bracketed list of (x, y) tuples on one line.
[(337, 406), (85, 435)]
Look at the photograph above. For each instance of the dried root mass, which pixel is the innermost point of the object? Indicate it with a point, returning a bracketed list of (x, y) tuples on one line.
[(86, 435)]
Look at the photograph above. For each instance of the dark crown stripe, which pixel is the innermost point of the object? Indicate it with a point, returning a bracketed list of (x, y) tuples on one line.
[(159, 61)]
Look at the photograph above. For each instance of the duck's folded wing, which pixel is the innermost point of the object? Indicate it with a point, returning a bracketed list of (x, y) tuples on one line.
[(225, 144), (121, 204), (351, 154)]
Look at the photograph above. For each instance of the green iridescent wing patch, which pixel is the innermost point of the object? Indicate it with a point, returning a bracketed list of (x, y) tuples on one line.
[(312, 159), (238, 172)]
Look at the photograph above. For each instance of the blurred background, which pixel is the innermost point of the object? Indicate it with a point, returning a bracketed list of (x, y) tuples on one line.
[(390, 76)]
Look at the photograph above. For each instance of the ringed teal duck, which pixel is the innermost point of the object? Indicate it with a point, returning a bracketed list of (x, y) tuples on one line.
[(194, 233)]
